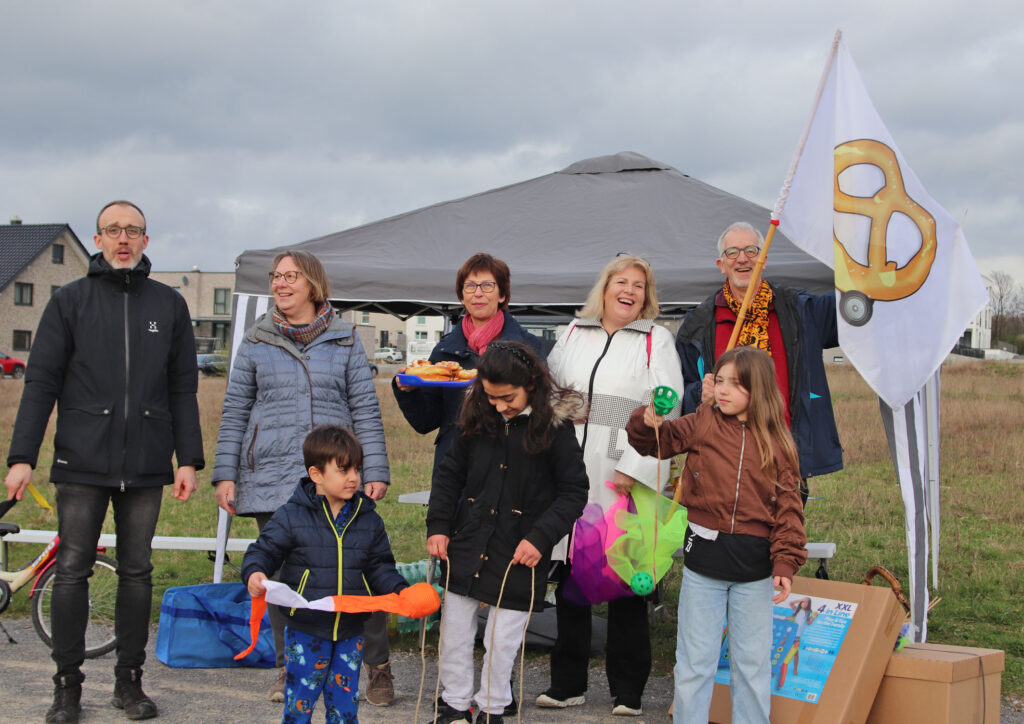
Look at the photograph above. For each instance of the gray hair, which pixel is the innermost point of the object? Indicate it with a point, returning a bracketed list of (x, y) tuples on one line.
[(739, 226)]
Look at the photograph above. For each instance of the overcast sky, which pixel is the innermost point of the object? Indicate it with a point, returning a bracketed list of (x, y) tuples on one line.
[(239, 125)]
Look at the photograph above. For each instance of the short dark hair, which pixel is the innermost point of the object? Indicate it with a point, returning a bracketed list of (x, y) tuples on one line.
[(119, 202), (325, 443), (486, 263)]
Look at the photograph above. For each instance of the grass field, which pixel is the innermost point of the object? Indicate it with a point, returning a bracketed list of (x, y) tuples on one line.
[(981, 574)]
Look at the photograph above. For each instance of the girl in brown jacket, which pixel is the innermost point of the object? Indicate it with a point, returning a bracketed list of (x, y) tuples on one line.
[(746, 531)]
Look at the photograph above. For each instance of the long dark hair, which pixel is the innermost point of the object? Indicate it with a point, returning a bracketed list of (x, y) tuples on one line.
[(516, 364)]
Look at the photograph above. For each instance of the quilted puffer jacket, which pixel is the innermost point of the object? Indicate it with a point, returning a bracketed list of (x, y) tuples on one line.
[(276, 394)]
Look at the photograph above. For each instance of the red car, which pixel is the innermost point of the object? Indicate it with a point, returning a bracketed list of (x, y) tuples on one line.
[(12, 366)]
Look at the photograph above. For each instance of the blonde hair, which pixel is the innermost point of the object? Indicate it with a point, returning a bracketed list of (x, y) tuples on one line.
[(766, 411), (312, 269), (594, 307)]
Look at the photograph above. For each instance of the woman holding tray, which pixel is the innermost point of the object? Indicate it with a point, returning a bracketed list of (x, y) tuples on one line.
[(299, 366), (483, 285)]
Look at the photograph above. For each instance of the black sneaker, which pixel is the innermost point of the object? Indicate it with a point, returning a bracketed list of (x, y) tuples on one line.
[(485, 718), (128, 695), (449, 715), (67, 704), (552, 699)]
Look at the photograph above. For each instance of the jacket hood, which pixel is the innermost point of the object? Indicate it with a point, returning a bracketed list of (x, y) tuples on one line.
[(569, 407), (305, 495)]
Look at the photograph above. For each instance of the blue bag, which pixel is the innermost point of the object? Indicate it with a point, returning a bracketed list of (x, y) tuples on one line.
[(204, 626)]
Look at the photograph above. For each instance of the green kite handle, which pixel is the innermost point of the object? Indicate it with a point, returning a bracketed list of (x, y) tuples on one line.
[(664, 399)]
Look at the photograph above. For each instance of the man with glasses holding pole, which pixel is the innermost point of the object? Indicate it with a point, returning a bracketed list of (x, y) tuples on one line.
[(115, 350), (792, 325)]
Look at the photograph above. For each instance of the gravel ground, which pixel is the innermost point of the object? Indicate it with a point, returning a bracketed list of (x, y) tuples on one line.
[(237, 695)]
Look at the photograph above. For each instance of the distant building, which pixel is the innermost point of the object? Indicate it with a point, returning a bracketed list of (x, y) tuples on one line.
[(35, 260), (208, 295), (978, 335), (388, 330)]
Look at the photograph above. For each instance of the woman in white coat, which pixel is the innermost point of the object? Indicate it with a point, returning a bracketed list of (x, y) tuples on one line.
[(615, 354)]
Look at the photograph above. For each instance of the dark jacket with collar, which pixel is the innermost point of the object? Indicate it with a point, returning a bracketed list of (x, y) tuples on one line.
[(437, 408), (116, 352), (488, 495), (808, 325), (317, 561)]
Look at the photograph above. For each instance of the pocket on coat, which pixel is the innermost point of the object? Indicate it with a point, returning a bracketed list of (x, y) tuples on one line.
[(82, 439), (157, 441)]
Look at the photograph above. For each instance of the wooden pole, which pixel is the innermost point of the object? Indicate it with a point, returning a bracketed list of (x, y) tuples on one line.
[(755, 284)]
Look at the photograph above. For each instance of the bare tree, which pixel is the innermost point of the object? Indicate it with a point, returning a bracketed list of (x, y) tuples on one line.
[(1007, 299)]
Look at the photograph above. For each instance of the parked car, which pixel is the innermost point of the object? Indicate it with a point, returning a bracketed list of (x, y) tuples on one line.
[(214, 365), (373, 369), (12, 366), (388, 354)]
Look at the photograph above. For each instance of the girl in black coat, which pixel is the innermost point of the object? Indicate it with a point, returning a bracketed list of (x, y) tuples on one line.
[(510, 487)]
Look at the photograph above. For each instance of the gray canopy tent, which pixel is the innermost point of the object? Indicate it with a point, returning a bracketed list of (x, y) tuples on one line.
[(556, 232)]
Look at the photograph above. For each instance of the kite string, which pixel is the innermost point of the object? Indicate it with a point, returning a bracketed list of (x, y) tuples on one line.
[(440, 638), (494, 627)]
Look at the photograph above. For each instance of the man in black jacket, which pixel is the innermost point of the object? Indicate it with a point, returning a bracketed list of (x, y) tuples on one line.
[(116, 352)]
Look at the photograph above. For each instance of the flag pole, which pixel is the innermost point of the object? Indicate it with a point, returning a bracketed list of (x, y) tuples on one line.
[(755, 280)]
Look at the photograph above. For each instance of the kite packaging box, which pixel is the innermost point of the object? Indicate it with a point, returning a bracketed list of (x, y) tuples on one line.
[(841, 660), (940, 684)]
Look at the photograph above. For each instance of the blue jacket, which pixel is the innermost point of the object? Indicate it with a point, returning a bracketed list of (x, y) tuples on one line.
[(317, 561), (808, 325), (437, 408), (276, 394)]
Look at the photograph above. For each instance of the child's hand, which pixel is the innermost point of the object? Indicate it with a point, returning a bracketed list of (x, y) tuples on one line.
[(707, 389), (651, 418), (437, 546), (527, 554), (623, 483), (255, 584), (786, 584)]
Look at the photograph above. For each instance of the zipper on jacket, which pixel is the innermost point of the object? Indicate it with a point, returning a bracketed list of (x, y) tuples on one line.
[(127, 357), (590, 388), (301, 587), (739, 472), (341, 555)]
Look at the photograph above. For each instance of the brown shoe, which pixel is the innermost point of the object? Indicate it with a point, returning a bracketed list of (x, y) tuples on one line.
[(380, 691), (276, 692)]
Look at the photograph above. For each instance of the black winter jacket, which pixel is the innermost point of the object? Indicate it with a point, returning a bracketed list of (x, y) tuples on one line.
[(115, 350), (437, 408), (488, 495), (316, 561)]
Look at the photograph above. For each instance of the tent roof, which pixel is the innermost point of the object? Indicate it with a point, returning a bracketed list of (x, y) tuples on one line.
[(556, 232)]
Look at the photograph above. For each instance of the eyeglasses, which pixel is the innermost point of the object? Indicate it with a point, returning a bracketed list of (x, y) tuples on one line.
[(114, 231), (485, 287), (733, 251), (288, 276)]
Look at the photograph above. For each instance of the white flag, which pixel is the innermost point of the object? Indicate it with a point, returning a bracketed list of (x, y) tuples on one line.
[(908, 286)]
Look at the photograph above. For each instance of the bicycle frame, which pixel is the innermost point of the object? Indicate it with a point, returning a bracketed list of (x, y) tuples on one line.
[(35, 570)]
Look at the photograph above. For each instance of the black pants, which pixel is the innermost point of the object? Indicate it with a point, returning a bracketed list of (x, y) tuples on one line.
[(627, 651)]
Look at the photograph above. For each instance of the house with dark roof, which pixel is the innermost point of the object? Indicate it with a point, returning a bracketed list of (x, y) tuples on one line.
[(35, 260)]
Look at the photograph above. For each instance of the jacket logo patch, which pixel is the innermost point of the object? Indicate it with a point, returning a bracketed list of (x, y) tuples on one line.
[(152, 327), (61, 462)]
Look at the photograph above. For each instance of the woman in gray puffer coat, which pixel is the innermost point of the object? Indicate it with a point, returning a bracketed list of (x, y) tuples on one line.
[(298, 367)]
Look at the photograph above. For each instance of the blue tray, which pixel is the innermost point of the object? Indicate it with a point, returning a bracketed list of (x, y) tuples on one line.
[(414, 381)]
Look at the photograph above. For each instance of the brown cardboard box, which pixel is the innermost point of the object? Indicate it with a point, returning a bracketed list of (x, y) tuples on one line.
[(938, 684), (859, 666)]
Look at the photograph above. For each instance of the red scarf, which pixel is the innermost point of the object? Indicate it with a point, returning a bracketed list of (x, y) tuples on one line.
[(477, 338)]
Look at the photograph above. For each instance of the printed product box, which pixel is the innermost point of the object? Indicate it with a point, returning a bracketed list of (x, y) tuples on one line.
[(832, 643), (937, 684)]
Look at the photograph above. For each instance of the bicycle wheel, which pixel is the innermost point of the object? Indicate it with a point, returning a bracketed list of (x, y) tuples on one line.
[(99, 633)]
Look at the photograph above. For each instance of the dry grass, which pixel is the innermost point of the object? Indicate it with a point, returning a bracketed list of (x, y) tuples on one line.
[(982, 478)]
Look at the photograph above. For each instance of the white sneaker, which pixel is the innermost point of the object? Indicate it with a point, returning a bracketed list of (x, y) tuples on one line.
[(623, 710), (548, 701)]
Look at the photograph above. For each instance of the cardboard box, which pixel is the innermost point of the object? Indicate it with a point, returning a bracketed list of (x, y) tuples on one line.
[(936, 684), (859, 665)]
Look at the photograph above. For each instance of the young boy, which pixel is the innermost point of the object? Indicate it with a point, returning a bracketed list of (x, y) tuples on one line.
[(326, 540)]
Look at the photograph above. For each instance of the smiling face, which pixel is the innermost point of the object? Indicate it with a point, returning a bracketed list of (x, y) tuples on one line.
[(337, 483), (122, 252), (293, 300), (481, 305), (624, 298), (740, 269), (508, 400), (731, 397)]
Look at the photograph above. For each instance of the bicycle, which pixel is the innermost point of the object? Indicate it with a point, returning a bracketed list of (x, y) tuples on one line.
[(100, 637)]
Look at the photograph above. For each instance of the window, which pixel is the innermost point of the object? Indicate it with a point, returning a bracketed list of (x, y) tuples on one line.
[(421, 320), (57, 253), (22, 339), (22, 294), (421, 334), (364, 318), (220, 300)]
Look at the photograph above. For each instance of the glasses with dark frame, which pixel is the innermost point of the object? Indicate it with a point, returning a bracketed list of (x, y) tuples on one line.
[(288, 276), (113, 231), (485, 287), (734, 251)]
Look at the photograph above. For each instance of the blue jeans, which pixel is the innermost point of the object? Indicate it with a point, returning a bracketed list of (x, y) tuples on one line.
[(703, 603), (80, 513)]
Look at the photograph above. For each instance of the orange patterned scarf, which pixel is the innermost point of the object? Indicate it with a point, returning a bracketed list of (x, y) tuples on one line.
[(755, 325)]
